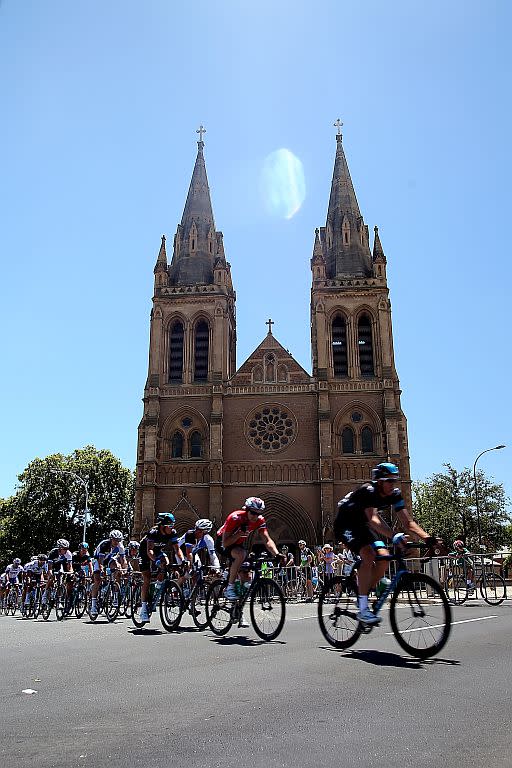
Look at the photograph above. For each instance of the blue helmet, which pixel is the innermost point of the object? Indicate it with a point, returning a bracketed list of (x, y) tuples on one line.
[(385, 471), (165, 518)]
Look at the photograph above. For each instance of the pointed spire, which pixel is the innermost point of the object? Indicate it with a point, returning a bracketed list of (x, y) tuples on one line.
[(318, 253), (195, 244), (161, 262), (378, 252), (348, 252)]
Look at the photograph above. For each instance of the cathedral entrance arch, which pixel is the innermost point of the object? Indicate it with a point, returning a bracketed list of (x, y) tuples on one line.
[(287, 521)]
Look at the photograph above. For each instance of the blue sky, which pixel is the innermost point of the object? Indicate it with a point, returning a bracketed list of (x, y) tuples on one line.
[(100, 105)]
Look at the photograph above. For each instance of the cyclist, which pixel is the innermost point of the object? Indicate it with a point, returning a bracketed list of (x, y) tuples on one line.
[(109, 552), (235, 532), (82, 560), (35, 572), (460, 554), (359, 525), (60, 560), (198, 543), (306, 563), (14, 573), (152, 554), (132, 556)]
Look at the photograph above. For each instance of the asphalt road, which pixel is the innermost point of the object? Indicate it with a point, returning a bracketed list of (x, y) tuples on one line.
[(109, 694)]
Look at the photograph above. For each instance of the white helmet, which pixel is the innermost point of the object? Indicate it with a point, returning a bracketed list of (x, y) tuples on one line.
[(16, 561), (115, 534), (253, 502), (204, 525), (63, 543)]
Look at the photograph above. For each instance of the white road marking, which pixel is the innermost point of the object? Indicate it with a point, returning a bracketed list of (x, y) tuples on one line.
[(436, 626)]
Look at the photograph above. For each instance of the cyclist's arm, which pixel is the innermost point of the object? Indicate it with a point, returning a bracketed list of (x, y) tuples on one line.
[(228, 539), (269, 543), (377, 524), (411, 525)]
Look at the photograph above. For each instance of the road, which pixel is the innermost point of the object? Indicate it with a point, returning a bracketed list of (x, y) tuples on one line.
[(111, 694)]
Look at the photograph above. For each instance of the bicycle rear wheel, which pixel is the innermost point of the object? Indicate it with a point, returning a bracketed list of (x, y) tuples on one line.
[(136, 605), (198, 606), (218, 608), (171, 605), (337, 613), (492, 588), (267, 608), (457, 590), (420, 615), (60, 602)]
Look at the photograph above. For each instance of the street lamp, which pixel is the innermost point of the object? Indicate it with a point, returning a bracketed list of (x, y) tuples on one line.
[(496, 448), (85, 485)]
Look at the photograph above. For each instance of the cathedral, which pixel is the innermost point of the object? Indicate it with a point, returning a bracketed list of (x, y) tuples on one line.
[(213, 433)]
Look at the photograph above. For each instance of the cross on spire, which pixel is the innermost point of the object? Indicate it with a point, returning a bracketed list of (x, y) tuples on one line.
[(200, 131), (270, 323), (338, 125)]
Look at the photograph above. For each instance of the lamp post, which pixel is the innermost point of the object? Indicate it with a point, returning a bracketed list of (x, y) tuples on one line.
[(85, 485), (479, 530)]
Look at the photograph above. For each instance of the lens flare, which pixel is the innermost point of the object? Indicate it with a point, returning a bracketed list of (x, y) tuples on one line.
[(283, 186)]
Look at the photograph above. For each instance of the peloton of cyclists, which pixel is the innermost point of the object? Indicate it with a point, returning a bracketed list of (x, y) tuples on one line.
[(359, 525)]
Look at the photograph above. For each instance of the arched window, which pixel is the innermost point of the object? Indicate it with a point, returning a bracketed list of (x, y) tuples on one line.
[(339, 346), (196, 445), (365, 345), (257, 373), (347, 440), (201, 351), (270, 368), (176, 353), (177, 446), (366, 440)]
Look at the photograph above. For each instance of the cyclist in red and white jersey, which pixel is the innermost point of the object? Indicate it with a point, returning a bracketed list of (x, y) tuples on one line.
[(235, 532)]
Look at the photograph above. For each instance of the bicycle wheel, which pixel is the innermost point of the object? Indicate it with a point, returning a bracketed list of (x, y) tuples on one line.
[(80, 601), (198, 606), (171, 605), (136, 605), (420, 615), (492, 588), (267, 608), (218, 608), (457, 590), (60, 602), (111, 602), (46, 604), (337, 613)]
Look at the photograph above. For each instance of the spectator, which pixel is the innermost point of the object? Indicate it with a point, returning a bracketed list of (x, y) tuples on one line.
[(306, 560), (329, 561)]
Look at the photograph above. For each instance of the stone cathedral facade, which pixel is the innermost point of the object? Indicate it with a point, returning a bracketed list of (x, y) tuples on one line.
[(212, 434)]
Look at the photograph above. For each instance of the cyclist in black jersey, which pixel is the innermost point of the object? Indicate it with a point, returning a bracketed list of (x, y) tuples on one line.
[(359, 526), (152, 555)]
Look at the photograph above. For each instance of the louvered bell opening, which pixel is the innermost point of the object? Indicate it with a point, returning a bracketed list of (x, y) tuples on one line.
[(347, 440), (201, 352), (365, 345), (176, 354), (339, 347)]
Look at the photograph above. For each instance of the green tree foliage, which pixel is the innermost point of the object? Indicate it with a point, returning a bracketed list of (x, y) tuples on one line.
[(49, 505), (445, 504)]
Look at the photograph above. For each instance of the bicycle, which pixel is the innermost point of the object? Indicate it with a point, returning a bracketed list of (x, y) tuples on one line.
[(267, 606), (165, 595), (107, 600), (420, 626), (491, 585)]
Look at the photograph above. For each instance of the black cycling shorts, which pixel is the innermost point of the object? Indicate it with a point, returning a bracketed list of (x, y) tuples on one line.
[(354, 530)]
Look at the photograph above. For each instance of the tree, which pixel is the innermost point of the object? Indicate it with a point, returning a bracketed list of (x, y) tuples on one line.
[(445, 504), (48, 505)]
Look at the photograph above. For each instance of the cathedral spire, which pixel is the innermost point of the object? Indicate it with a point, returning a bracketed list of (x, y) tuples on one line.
[(378, 251), (348, 251), (195, 241), (161, 262)]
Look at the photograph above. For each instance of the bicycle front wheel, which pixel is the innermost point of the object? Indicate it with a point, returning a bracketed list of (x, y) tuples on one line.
[(136, 605), (457, 590), (112, 601), (337, 613), (218, 608), (60, 602), (492, 588), (171, 606), (420, 615), (267, 608)]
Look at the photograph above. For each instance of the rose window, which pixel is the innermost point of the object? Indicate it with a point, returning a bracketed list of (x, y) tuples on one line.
[(271, 428)]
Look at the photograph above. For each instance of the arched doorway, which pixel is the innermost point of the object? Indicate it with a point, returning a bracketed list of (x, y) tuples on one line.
[(287, 521)]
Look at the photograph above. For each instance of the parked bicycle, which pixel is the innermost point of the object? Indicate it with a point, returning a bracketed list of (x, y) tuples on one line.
[(266, 605), (419, 610), (490, 585)]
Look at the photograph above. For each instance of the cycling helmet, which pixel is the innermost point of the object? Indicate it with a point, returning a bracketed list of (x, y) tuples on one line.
[(63, 543), (385, 471), (43, 558), (115, 534), (83, 545), (204, 525), (165, 518), (133, 545), (458, 544), (16, 561), (253, 502), (302, 542), (33, 558)]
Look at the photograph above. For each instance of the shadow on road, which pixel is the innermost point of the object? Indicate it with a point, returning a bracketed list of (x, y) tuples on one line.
[(387, 659), (144, 632), (246, 641)]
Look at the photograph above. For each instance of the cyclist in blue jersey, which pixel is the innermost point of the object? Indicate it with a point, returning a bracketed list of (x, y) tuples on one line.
[(359, 526), (198, 544)]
